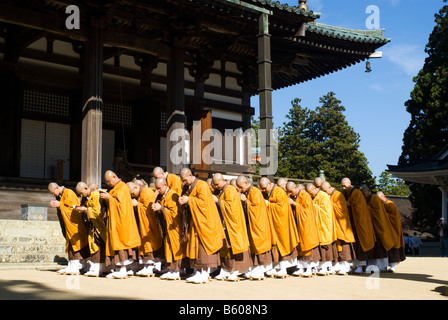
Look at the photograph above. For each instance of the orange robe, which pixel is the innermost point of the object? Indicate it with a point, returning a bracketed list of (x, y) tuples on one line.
[(93, 206), (325, 218), (285, 230), (395, 221), (306, 222), (344, 229), (151, 239), (235, 222), (260, 227), (174, 249), (174, 183), (122, 231), (75, 229), (206, 224), (362, 220), (381, 222)]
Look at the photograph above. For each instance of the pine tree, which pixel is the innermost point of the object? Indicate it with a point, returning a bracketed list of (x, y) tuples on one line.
[(293, 144), (427, 132), (321, 140)]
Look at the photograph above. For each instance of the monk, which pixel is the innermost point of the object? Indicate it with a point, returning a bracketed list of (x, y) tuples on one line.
[(77, 245), (318, 182), (344, 232), (309, 254), (285, 229), (382, 227), (168, 211), (235, 254), (361, 223), (396, 254), (172, 180), (326, 227), (91, 207), (261, 234), (205, 230), (282, 183), (150, 251), (122, 233)]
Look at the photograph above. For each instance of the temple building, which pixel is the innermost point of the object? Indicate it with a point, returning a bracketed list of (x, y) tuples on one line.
[(433, 171), (102, 84)]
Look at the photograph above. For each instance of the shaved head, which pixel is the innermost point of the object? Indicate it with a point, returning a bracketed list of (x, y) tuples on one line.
[(311, 189), (93, 186), (161, 185), (326, 187), (318, 182), (282, 183), (82, 189), (365, 189), (111, 178), (80, 186), (290, 186), (158, 172), (382, 196), (186, 176), (52, 186), (185, 172), (218, 181), (55, 189), (133, 189), (242, 183), (346, 184), (265, 185)]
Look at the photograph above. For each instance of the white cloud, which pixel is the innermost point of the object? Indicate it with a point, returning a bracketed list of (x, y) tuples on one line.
[(394, 2), (410, 58), (376, 87)]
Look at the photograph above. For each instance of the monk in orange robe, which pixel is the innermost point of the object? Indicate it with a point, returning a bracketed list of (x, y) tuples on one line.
[(235, 254), (92, 207), (309, 254), (76, 236), (205, 230), (361, 222), (326, 228), (150, 251), (168, 209), (382, 227), (123, 237), (172, 180), (344, 232), (260, 230), (396, 254), (285, 229)]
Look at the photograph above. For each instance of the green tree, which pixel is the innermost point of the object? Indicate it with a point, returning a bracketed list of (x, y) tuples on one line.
[(392, 186), (293, 144), (427, 132), (321, 139)]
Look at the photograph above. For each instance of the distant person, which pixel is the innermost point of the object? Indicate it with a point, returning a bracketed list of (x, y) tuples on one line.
[(415, 244), (442, 232), (407, 244)]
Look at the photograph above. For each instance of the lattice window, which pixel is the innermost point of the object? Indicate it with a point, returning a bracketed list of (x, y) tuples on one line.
[(46, 103), (163, 119), (117, 114)]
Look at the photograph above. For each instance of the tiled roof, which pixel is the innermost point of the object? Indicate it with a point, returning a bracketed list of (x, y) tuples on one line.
[(285, 7), (364, 36)]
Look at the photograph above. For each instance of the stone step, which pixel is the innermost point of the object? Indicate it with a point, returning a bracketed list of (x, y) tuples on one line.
[(31, 242)]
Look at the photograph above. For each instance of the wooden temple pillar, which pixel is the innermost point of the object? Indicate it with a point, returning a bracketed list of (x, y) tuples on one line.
[(176, 111), (265, 90), (444, 190), (92, 114)]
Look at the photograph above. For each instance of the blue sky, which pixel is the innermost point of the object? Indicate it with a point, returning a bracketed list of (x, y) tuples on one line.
[(374, 101)]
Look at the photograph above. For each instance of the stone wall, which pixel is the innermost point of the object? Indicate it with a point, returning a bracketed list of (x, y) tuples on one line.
[(31, 242)]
